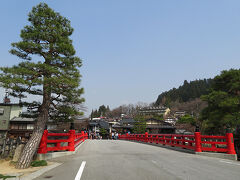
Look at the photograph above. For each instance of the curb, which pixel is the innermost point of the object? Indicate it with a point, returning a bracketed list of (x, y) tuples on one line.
[(31, 176), (218, 155), (209, 154), (43, 170), (39, 172), (49, 156)]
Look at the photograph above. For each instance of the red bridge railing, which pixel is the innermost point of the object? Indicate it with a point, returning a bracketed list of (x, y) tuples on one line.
[(196, 142), (72, 139)]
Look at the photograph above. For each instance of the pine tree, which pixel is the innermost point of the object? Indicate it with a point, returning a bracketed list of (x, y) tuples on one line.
[(223, 103), (49, 69)]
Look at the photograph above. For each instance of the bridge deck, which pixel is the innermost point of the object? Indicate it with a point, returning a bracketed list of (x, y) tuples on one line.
[(120, 160)]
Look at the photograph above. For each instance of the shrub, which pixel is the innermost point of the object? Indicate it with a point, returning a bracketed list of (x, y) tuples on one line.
[(39, 163), (5, 177)]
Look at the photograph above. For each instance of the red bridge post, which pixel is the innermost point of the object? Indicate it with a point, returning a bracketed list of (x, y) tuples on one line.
[(127, 135), (146, 136), (83, 136), (71, 140), (43, 143), (230, 143), (86, 136), (198, 139)]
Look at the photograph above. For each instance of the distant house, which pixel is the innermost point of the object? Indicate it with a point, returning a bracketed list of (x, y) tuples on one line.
[(179, 114), (171, 120), (20, 126), (125, 125), (96, 125), (11, 122), (8, 111), (160, 110), (153, 126), (81, 124)]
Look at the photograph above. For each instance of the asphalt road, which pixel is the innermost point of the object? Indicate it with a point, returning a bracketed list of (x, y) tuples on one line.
[(124, 160)]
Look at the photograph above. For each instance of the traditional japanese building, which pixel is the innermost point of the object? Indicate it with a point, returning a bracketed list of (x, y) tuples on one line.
[(21, 127), (160, 110), (153, 126)]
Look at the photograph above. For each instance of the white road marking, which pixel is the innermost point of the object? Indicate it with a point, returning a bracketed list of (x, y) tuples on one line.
[(154, 162), (80, 171), (229, 162)]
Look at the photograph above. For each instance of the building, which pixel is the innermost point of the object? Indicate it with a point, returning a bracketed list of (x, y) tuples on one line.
[(160, 110), (125, 125), (21, 127), (95, 127), (153, 126), (81, 124), (179, 114), (8, 111), (11, 122), (171, 120)]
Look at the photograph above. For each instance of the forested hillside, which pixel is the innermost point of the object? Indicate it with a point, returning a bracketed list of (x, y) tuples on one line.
[(188, 91)]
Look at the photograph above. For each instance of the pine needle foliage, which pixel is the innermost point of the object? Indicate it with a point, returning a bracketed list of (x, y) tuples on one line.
[(49, 67), (223, 103)]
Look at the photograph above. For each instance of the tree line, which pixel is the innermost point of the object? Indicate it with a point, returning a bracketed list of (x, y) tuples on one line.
[(221, 96), (128, 110), (184, 93)]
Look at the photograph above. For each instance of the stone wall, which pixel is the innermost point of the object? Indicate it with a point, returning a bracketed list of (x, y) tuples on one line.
[(9, 145)]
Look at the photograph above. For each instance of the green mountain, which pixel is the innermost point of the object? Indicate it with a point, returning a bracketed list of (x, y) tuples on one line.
[(187, 92)]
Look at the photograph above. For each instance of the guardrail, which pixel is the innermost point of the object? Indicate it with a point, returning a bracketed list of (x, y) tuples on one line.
[(72, 139), (196, 142)]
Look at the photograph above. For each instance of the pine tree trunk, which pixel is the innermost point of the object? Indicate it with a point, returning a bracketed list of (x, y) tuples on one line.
[(32, 145), (29, 150)]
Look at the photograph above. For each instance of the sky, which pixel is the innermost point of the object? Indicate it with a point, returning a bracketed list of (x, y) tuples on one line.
[(133, 50)]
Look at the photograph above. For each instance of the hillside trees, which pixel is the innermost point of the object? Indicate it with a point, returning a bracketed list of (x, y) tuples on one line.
[(223, 103), (187, 119), (187, 92), (49, 69)]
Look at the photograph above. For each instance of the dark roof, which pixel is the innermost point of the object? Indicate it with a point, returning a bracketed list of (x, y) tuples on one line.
[(128, 126), (160, 127), (93, 123), (129, 121), (9, 104), (22, 119), (104, 124), (100, 123)]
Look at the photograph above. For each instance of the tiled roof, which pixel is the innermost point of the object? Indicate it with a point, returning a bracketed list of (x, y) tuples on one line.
[(22, 119)]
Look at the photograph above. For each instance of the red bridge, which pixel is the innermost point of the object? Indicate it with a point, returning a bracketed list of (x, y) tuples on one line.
[(125, 159)]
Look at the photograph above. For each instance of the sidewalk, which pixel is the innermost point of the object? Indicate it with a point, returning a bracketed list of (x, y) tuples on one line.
[(7, 168)]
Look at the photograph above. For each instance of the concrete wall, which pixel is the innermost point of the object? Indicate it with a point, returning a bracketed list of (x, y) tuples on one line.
[(5, 117), (15, 111), (10, 111), (8, 146)]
